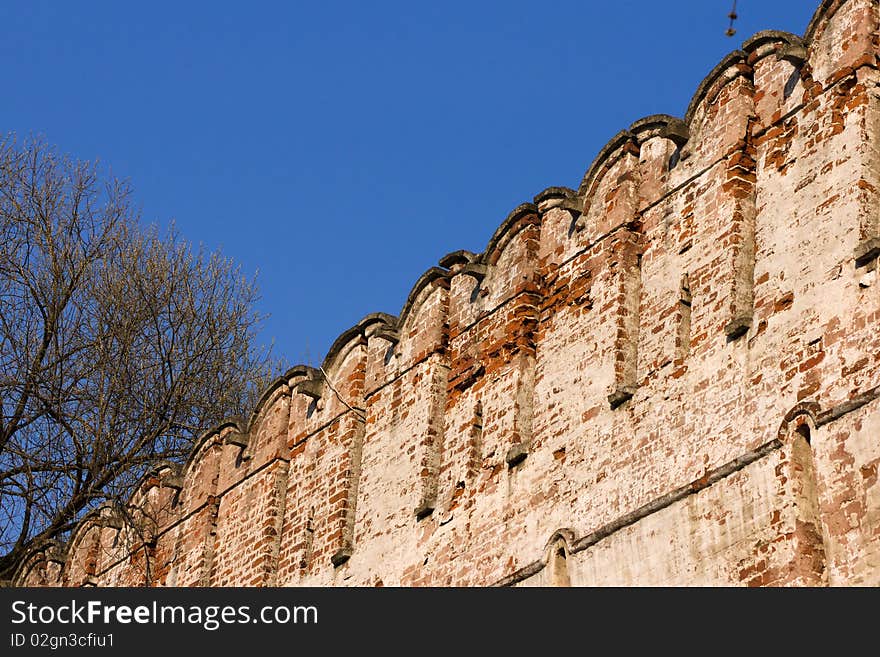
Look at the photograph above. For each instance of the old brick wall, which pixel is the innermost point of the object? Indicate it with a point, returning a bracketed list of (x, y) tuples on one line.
[(669, 376)]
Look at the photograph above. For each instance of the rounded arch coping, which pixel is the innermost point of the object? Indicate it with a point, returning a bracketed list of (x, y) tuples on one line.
[(140, 489), (280, 384), (157, 468), (654, 125), (810, 410), (300, 373), (90, 520), (553, 192), (298, 370), (508, 229), (431, 276), (278, 387), (199, 445), (378, 318), (724, 67), (353, 336), (341, 346), (176, 469), (823, 14), (92, 517), (460, 257), (754, 43), (42, 552), (610, 149), (83, 526), (724, 72), (660, 125)]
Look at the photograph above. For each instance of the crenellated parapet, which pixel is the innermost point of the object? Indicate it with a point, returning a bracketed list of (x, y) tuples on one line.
[(668, 375)]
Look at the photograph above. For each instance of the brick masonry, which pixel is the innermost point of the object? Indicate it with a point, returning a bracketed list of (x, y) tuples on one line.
[(669, 376)]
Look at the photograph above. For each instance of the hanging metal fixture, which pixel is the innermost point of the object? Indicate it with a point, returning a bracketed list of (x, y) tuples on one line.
[(732, 16)]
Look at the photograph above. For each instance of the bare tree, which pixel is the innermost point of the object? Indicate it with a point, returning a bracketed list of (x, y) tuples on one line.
[(118, 345)]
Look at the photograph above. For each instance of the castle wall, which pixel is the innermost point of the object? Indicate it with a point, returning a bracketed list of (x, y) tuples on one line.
[(668, 376)]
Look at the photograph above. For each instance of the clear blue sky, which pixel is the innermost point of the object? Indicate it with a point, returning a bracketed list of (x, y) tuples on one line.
[(342, 148)]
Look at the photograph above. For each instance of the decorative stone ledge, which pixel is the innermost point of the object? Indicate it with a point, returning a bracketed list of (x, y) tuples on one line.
[(313, 388), (866, 251), (237, 438), (475, 270), (738, 327), (660, 125), (341, 556), (424, 509), (174, 482), (387, 333), (620, 395), (794, 53), (517, 453)]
